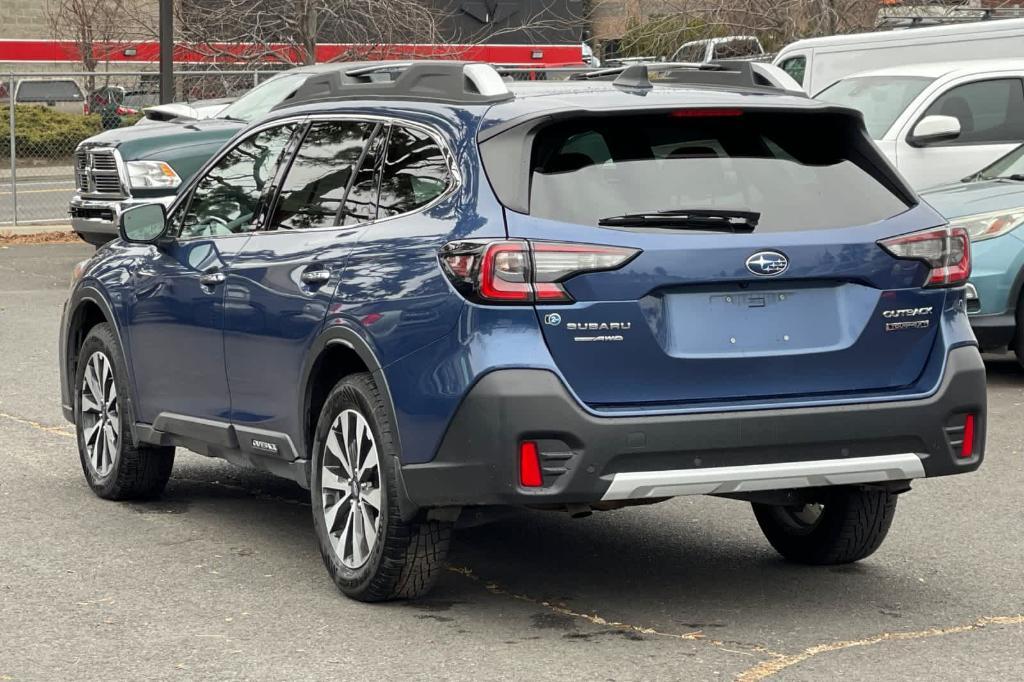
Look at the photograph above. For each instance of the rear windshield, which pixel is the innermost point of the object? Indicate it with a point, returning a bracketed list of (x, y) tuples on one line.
[(880, 98), (49, 91), (744, 47), (797, 171)]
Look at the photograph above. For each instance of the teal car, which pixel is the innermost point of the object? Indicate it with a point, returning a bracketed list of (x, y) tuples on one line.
[(123, 167), (990, 206)]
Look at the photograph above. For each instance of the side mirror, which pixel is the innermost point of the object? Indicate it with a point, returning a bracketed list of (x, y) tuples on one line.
[(936, 129), (143, 224)]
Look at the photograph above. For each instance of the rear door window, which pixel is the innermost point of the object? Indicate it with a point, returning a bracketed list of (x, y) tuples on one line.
[(691, 52), (990, 112), (314, 189), (49, 91), (731, 49), (773, 164), (361, 200)]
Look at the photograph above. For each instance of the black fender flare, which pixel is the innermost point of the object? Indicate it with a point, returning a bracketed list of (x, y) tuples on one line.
[(351, 339), (83, 294)]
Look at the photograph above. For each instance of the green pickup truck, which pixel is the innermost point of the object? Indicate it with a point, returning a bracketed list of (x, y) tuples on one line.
[(144, 164)]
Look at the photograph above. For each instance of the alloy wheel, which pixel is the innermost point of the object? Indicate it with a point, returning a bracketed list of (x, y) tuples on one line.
[(101, 417), (350, 486)]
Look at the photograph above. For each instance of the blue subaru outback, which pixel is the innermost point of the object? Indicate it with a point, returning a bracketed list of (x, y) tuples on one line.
[(417, 289)]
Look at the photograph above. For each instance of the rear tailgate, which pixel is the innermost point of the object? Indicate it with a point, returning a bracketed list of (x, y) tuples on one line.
[(807, 304), (687, 321)]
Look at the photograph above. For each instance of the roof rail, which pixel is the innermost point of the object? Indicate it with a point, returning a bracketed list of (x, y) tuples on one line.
[(434, 81), (893, 18), (730, 73)]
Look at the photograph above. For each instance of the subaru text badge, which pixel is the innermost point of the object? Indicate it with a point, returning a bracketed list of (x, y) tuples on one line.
[(767, 263)]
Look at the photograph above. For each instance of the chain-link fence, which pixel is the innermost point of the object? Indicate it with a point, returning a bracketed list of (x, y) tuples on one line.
[(44, 116)]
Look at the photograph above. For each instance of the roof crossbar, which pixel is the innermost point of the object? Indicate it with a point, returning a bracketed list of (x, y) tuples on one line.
[(434, 81), (730, 73)]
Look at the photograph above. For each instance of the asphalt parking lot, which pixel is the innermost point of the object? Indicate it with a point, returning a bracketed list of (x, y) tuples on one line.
[(222, 578)]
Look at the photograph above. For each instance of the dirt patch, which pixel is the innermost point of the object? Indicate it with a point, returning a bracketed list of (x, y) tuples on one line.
[(12, 239)]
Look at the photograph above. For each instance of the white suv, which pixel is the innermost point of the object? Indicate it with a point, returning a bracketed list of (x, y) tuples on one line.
[(939, 122)]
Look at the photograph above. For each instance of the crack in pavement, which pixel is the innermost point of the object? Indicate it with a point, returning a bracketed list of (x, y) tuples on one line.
[(776, 662), (776, 665), (593, 618), (59, 430)]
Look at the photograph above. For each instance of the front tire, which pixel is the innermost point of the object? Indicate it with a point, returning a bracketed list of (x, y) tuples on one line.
[(848, 525), (369, 551), (115, 466)]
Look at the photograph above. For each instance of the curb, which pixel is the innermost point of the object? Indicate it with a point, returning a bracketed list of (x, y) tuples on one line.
[(33, 229)]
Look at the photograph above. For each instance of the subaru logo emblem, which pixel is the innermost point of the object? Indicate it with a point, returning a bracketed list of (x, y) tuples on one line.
[(767, 263), (554, 319)]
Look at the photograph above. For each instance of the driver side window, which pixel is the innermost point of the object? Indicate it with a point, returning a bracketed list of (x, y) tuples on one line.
[(226, 200)]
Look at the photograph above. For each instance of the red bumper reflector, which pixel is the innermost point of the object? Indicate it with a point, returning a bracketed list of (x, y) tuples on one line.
[(529, 465), (967, 447)]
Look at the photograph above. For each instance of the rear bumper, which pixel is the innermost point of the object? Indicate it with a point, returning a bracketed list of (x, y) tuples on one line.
[(587, 458)]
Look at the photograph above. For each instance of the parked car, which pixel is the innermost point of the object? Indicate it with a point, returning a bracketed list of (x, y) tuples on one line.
[(59, 94), (587, 300), (939, 122), (990, 206), (819, 62), (127, 166), (122, 101), (185, 111), (726, 47)]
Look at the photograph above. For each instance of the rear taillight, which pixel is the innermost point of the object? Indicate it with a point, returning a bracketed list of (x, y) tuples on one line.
[(946, 250), (522, 272)]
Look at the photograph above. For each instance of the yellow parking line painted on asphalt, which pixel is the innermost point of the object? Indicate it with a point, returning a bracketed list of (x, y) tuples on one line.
[(37, 191)]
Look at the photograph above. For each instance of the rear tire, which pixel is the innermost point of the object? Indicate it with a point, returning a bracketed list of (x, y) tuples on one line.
[(115, 466), (369, 551), (1017, 345), (850, 524)]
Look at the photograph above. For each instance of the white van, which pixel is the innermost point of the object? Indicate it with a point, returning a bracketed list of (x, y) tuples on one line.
[(817, 63), (938, 122)]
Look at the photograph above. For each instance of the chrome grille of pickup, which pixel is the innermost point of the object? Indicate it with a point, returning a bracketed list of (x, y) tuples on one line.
[(96, 172)]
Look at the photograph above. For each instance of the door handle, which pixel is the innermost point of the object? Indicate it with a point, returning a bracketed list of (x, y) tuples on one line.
[(316, 276), (211, 279)]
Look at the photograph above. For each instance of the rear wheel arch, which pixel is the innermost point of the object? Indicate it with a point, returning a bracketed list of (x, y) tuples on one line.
[(337, 353)]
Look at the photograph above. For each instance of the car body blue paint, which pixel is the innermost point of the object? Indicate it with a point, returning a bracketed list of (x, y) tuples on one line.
[(236, 354)]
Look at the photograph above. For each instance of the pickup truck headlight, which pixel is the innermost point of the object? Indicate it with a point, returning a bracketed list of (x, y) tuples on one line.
[(152, 175), (989, 225)]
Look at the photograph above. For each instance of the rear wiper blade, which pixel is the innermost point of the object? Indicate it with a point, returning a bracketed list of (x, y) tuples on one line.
[(715, 220), (1016, 177)]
